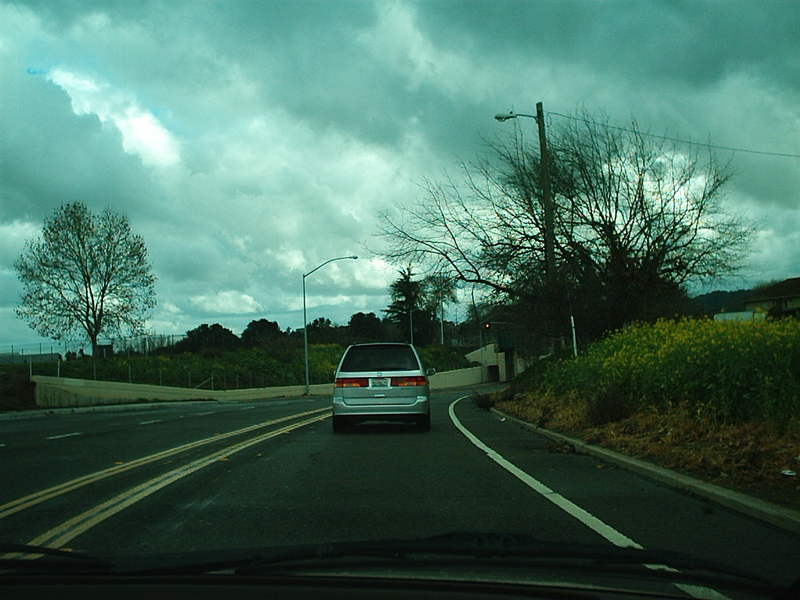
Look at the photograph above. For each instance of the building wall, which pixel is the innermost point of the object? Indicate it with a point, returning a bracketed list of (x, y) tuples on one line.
[(492, 362)]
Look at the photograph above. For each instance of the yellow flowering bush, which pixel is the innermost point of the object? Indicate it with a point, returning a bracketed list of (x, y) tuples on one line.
[(733, 371)]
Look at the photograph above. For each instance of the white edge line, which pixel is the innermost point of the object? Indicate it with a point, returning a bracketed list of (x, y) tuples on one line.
[(588, 519), (585, 517)]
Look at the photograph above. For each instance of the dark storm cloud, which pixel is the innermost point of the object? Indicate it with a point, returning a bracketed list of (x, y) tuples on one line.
[(50, 157), (694, 42), (249, 141)]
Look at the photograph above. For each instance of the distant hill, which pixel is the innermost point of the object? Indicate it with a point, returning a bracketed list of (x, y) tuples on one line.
[(715, 302)]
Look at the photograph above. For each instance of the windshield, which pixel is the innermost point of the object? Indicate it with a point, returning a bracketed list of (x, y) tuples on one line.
[(334, 271)]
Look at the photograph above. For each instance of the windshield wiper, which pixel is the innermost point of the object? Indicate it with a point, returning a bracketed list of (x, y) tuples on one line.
[(512, 550), (41, 559), (495, 549), (457, 549), (497, 546)]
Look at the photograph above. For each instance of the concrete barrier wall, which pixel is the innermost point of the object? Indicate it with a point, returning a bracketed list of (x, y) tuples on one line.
[(55, 392), (60, 392), (457, 378)]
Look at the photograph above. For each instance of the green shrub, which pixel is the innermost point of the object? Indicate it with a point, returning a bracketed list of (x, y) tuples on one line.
[(731, 371), (442, 358)]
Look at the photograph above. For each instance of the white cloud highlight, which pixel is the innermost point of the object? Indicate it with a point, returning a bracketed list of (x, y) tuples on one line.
[(142, 133), (229, 302)]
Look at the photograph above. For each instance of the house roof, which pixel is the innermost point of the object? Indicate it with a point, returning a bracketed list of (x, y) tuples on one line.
[(789, 288)]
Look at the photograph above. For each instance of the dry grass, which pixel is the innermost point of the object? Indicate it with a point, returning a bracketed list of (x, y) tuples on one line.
[(747, 457)]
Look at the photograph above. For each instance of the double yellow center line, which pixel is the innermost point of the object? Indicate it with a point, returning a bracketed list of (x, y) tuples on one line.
[(63, 533)]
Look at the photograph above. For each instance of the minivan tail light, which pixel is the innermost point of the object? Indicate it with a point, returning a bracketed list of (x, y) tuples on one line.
[(351, 382), (409, 381)]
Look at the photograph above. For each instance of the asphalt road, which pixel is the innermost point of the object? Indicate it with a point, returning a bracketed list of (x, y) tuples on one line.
[(201, 476)]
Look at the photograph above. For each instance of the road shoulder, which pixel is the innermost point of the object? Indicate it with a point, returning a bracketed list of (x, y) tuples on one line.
[(773, 514)]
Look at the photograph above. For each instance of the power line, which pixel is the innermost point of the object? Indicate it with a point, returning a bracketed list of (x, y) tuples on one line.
[(680, 141)]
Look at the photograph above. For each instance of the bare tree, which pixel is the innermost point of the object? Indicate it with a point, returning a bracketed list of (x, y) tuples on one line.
[(636, 219), (87, 274)]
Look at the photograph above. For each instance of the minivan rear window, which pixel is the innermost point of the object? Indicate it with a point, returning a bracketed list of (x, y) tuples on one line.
[(380, 358)]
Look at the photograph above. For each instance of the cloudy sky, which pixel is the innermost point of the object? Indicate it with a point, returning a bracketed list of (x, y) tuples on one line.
[(249, 141)]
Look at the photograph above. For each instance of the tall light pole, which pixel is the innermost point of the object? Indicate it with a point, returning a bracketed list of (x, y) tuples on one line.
[(547, 200), (549, 232), (305, 317)]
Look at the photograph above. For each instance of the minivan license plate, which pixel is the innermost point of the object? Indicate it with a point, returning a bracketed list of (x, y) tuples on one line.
[(382, 382)]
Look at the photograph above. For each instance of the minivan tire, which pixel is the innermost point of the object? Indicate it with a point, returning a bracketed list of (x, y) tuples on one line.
[(424, 422), (339, 424)]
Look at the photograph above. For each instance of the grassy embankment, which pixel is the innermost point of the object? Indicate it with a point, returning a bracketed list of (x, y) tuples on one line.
[(718, 400)]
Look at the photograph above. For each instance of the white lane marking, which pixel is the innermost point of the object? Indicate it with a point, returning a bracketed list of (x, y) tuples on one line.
[(211, 412), (703, 593), (585, 517), (150, 422), (65, 435)]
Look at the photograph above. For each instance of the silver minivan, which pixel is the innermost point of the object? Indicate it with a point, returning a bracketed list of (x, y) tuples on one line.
[(382, 381)]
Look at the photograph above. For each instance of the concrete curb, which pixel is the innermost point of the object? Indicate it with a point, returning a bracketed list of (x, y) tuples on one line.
[(773, 514)]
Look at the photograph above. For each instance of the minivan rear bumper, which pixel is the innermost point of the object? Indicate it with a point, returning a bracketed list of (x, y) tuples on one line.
[(422, 406)]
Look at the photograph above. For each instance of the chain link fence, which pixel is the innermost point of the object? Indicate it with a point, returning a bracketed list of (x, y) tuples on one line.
[(154, 360)]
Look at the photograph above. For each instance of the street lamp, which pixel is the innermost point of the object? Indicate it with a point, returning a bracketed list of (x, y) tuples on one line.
[(305, 318), (549, 234)]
